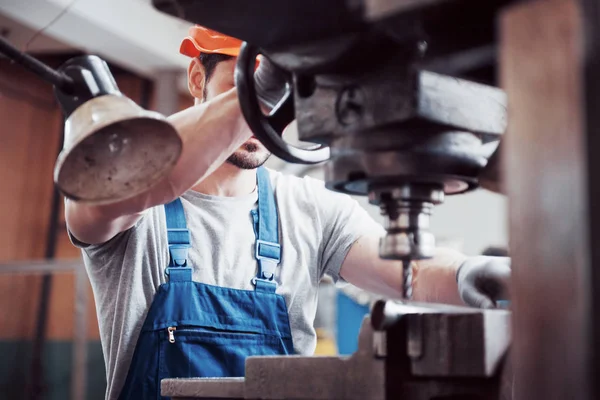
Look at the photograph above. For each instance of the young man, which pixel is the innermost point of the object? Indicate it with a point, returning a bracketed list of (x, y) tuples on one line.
[(222, 259)]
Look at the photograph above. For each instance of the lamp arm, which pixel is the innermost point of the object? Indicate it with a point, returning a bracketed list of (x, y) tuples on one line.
[(59, 80)]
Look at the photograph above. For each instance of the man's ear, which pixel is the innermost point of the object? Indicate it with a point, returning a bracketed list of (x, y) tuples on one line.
[(196, 81)]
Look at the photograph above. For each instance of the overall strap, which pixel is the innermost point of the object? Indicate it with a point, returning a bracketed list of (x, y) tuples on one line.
[(267, 247), (178, 237)]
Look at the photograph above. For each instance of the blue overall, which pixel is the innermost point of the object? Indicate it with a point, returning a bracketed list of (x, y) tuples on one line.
[(198, 330)]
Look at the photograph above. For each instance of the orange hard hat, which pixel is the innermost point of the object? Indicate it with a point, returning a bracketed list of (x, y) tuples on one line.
[(204, 40)]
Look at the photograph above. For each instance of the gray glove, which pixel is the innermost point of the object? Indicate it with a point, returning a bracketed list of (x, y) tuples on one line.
[(482, 281), (271, 83)]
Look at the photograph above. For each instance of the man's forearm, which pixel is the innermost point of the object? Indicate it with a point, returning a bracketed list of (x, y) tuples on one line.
[(209, 138), (434, 280), (210, 132)]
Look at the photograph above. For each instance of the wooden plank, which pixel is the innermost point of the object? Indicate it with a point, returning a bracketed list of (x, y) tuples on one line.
[(14, 115), (29, 138), (61, 307), (19, 296), (36, 171), (548, 180)]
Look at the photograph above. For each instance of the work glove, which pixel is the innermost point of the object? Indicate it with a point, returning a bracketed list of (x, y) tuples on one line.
[(271, 83), (483, 281)]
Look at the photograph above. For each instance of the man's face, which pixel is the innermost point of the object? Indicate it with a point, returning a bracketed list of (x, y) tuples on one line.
[(251, 154)]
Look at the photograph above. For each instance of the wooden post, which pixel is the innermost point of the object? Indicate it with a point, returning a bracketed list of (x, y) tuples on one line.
[(551, 176)]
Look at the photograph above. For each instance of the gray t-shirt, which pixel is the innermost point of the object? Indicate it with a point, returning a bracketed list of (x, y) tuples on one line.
[(317, 228)]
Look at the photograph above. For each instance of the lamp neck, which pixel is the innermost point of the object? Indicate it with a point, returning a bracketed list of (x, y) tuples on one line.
[(91, 77)]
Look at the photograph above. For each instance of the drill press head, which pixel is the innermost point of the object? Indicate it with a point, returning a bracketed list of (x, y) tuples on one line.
[(407, 139), (412, 145), (384, 89)]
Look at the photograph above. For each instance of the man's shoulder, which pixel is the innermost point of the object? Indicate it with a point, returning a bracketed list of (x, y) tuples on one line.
[(300, 187), (294, 181), (306, 190)]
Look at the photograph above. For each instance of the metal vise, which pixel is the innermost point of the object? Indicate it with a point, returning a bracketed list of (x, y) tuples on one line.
[(408, 352)]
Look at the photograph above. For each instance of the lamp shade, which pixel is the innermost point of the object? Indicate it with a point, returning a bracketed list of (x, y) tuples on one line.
[(114, 150)]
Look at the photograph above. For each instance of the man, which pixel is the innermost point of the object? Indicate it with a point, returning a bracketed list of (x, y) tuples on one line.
[(222, 259)]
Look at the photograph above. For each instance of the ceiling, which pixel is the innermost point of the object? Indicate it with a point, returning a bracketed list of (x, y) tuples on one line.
[(26, 38), (129, 33)]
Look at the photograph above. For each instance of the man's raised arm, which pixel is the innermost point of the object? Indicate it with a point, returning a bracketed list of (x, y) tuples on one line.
[(210, 132)]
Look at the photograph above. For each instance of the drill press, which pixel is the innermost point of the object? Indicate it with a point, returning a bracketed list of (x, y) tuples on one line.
[(397, 132), (399, 101)]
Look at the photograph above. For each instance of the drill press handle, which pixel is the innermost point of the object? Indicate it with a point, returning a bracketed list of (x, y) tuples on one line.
[(268, 128)]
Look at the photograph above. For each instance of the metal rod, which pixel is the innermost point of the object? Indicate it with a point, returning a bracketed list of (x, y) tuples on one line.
[(37, 387), (40, 266), (58, 79), (80, 337)]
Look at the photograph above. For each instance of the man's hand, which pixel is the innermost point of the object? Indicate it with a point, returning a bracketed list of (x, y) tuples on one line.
[(483, 280)]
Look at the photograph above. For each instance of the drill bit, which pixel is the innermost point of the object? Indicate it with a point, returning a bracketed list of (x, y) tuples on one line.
[(407, 279)]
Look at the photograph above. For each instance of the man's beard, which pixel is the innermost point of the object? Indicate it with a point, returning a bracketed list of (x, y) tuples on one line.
[(248, 159)]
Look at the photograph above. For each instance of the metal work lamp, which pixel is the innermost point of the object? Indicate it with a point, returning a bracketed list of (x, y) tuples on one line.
[(113, 149)]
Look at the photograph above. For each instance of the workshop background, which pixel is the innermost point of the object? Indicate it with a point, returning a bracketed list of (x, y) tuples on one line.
[(49, 338)]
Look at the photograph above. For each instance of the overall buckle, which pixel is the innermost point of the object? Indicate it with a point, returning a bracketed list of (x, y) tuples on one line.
[(264, 283), (268, 255), (267, 268), (179, 254), (268, 250)]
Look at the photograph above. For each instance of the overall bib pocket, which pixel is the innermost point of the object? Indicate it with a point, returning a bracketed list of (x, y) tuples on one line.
[(197, 351)]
